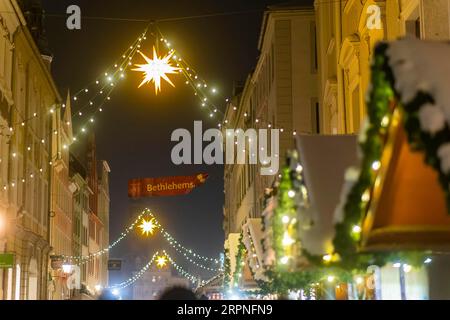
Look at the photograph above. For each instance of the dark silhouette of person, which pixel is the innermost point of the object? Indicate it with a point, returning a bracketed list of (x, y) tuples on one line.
[(178, 293)]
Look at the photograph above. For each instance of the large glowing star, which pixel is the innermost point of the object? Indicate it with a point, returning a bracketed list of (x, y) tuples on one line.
[(147, 227), (161, 261), (156, 68)]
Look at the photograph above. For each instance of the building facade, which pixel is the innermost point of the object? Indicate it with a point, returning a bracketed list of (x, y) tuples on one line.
[(280, 93), (90, 229), (81, 212), (98, 219), (347, 32), (28, 96), (103, 213), (61, 209), (326, 95)]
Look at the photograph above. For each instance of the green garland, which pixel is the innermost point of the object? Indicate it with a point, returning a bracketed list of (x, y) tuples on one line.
[(345, 241), (381, 97), (227, 269), (239, 260), (351, 262), (286, 207), (423, 141)]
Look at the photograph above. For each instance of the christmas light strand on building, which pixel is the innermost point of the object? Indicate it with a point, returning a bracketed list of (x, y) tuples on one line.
[(15, 154), (98, 96), (104, 85), (102, 94), (112, 74), (29, 176), (116, 72)]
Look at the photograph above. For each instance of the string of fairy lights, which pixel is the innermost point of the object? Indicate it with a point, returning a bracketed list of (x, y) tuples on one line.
[(148, 227), (186, 252), (183, 272), (16, 153), (148, 223), (92, 98), (89, 101), (105, 83), (98, 100), (135, 277), (86, 258), (201, 89), (161, 262)]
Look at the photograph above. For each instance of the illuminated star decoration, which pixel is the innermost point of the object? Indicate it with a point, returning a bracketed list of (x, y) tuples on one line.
[(148, 227), (156, 68), (161, 261)]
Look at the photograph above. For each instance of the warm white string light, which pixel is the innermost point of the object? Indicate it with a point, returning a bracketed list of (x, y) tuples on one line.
[(119, 72), (135, 277), (186, 256), (144, 269), (190, 255), (201, 89), (183, 272), (179, 247), (83, 259), (105, 84), (182, 249)]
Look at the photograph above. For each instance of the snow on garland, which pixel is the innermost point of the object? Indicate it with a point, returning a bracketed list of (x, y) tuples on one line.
[(421, 72)]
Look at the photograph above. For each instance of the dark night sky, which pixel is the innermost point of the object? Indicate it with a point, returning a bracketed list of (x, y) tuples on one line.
[(133, 134)]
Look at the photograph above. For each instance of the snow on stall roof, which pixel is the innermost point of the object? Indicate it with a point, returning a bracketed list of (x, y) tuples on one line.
[(420, 65)]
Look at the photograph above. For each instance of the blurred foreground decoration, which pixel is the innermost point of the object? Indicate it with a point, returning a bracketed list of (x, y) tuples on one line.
[(400, 201)]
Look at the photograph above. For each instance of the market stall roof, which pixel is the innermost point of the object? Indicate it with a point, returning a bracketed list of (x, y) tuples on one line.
[(253, 234), (324, 159), (408, 208)]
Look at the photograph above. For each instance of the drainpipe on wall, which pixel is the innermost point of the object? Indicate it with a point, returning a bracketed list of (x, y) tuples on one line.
[(50, 209)]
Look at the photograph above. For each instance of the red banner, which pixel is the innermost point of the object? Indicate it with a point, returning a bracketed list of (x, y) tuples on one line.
[(166, 186)]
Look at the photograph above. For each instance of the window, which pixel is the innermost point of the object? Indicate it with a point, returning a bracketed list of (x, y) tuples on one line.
[(272, 63), (85, 236), (413, 28), (356, 117), (412, 24), (91, 229), (314, 62), (18, 275), (315, 116), (83, 272)]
